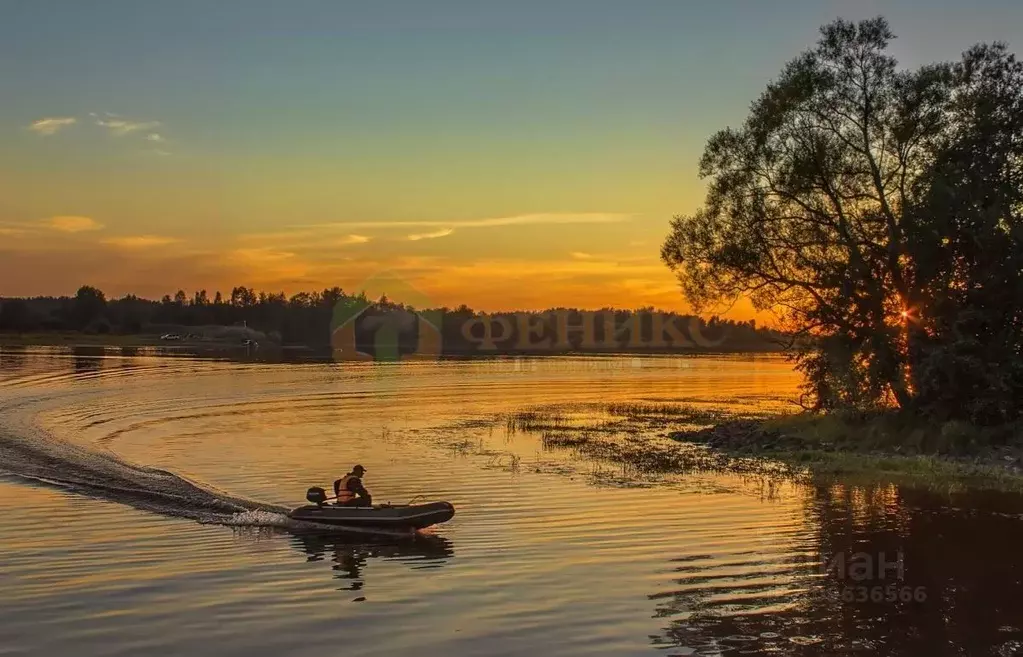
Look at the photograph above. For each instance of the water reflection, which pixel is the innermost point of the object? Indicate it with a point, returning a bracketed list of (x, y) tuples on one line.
[(88, 359), (350, 556), (892, 571), (12, 359)]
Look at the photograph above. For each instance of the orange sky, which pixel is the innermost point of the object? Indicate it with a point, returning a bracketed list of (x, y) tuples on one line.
[(495, 263), (501, 155)]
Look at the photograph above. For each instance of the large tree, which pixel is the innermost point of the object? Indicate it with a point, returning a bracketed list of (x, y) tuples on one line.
[(966, 245), (89, 305), (846, 199)]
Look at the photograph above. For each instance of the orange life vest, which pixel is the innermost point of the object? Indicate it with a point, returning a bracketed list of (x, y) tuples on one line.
[(341, 488)]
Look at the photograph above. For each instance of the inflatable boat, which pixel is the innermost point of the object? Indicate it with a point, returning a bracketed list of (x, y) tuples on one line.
[(382, 516)]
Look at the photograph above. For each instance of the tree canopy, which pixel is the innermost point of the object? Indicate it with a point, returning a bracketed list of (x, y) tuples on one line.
[(878, 211)]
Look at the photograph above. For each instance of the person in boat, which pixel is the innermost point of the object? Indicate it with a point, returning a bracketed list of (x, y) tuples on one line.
[(349, 490)]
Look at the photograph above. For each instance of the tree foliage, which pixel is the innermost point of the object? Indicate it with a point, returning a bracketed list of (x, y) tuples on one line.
[(89, 304), (306, 319), (878, 211)]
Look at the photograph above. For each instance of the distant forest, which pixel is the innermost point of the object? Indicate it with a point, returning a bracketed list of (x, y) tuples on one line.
[(309, 318)]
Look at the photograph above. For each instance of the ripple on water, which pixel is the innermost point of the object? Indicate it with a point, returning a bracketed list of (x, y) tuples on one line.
[(541, 557)]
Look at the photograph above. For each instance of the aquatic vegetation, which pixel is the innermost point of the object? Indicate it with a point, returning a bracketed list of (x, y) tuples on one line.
[(536, 420), (554, 439), (747, 440), (884, 447), (667, 413), (504, 461)]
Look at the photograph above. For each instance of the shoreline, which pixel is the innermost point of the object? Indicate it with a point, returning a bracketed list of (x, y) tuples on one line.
[(114, 341), (678, 438), (878, 448)]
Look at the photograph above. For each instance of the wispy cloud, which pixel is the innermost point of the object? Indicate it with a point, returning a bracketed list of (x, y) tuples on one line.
[(353, 239), (140, 241), (51, 125), (579, 255), (281, 235), (122, 127), (72, 224), (262, 255), (549, 218), (155, 136), (443, 232), (515, 220)]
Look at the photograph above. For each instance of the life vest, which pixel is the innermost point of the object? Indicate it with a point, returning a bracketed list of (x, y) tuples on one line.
[(341, 489)]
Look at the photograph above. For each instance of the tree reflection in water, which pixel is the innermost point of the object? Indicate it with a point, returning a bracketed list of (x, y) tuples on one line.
[(961, 555), (88, 358)]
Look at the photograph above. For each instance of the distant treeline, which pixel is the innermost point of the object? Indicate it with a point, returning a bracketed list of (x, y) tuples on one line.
[(310, 319)]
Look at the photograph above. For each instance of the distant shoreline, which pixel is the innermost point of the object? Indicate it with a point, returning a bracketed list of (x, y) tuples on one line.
[(72, 339)]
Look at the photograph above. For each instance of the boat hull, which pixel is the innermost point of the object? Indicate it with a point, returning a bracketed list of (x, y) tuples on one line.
[(416, 516)]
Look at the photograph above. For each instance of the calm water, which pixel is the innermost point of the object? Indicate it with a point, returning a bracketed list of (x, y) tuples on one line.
[(140, 501)]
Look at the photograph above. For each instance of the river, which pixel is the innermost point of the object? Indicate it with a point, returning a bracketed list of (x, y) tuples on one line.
[(141, 500)]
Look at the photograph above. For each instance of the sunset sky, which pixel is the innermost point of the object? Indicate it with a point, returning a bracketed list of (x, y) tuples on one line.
[(501, 154)]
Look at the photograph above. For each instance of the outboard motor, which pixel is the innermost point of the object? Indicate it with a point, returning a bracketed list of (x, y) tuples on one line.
[(316, 495)]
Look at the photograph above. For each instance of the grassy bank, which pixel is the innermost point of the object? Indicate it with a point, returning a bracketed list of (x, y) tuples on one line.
[(678, 438), (884, 446)]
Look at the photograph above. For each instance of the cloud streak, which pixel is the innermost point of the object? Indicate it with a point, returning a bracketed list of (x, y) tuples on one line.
[(443, 232), (122, 127), (140, 241), (51, 125), (72, 224), (514, 220), (262, 255)]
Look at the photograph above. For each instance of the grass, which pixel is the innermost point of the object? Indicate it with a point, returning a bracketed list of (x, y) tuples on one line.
[(554, 440), (537, 420), (612, 417), (929, 471), (651, 409), (643, 455), (856, 449), (667, 413), (895, 433), (888, 446)]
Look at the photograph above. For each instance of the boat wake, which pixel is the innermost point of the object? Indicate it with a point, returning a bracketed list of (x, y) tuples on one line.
[(33, 457), (103, 476), (30, 455)]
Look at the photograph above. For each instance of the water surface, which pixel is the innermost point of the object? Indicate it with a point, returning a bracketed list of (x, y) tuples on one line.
[(141, 499)]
